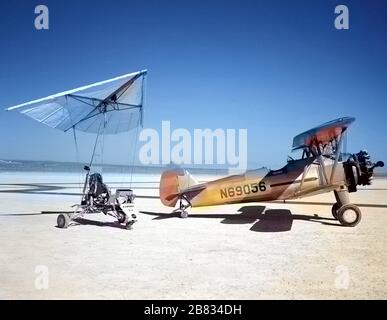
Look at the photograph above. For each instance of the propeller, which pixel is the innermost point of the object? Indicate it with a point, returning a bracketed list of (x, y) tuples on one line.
[(379, 164)]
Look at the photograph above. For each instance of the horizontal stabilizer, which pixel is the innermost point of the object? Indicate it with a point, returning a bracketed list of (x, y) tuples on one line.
[(187, 192)]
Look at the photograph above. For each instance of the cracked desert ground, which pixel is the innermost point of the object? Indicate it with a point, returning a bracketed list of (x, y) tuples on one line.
[(292, 250)]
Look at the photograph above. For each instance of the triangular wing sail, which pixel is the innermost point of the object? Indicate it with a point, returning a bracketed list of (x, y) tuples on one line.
[(106, 107)]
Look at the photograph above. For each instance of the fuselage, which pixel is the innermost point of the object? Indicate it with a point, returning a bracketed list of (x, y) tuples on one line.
[(298, 178)]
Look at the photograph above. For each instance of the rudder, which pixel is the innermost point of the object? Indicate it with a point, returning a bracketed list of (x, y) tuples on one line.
[(172, 183)]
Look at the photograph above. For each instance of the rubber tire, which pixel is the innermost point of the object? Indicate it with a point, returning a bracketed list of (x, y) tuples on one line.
[(63, 221), (183, 214), (341, 211), (335, 208), (121, 217)]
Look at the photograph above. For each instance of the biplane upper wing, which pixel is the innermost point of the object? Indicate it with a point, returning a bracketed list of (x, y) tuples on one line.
[(322, 134)]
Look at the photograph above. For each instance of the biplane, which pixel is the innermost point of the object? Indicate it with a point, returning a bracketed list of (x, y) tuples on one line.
[(323, 167)]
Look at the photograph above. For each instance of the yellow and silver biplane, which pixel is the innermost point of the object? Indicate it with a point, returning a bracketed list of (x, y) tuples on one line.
[(322, 168)]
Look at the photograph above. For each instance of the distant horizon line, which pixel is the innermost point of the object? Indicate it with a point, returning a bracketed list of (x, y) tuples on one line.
[(380, 173), (206, 167)]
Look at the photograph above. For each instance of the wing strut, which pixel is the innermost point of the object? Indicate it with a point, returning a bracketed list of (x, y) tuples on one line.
[(337, 154)]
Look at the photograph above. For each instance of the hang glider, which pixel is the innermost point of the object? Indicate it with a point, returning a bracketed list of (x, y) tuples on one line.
[(107, 107)]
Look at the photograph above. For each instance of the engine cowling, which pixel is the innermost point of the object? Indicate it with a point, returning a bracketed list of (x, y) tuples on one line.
[(359, 170)]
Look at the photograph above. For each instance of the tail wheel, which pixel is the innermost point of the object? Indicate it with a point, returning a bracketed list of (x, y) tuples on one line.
[(349, 215), (335, 208), (63, 221), (183, 214)]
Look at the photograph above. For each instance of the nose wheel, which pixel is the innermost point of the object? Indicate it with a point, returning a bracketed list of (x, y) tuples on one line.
[(63, 221)]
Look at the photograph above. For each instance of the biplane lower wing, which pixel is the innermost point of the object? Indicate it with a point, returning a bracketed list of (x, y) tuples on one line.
[(314, 191)]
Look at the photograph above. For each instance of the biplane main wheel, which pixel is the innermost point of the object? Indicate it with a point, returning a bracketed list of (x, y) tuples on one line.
[(63, 221), (335, 208), (183, 214), (349, 215)]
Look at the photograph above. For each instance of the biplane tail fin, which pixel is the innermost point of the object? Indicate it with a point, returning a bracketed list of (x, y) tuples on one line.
[(174, 183)]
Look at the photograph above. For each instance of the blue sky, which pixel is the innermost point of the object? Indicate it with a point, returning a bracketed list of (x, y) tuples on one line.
[(274, 67)]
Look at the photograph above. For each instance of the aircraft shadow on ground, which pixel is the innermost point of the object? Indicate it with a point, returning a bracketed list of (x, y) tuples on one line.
[(83, 221), (269, 220)]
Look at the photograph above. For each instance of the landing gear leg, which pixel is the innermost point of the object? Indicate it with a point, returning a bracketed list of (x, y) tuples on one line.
[(342, 198), (183, 207), (348, 214)]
